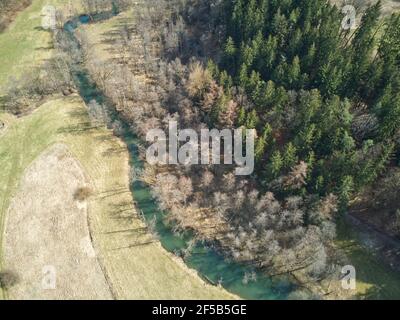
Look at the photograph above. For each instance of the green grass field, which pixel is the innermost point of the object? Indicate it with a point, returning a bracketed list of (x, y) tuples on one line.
[(374, 279), (24, 44)]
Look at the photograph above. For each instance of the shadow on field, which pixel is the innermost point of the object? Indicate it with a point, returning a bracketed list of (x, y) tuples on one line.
[(135, 245), (111, 193), (40, 28), (77, 128), (122, 211), (105, 137), (139, 230), (133, 237), (114, 150), (49, 47), (109, 37), (3, 102), (78, 113)]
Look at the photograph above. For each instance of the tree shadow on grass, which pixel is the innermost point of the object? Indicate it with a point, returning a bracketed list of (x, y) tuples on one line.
[(105, 137), (114, 192), (81, 114), (40, 28), (131, 236), (49, 47), (114, 150), (140, 244), (3, 103), (122, 211), (140, 230), (77, 128)]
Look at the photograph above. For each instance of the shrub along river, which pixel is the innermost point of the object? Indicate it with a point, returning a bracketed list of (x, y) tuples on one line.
[(212, 266)]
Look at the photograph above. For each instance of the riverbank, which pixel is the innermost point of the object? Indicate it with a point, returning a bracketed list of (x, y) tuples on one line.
[(100, 40), (136, 266), (134, 263)]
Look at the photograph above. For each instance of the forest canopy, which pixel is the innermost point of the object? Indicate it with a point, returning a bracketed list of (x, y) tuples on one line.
[(320, 94)]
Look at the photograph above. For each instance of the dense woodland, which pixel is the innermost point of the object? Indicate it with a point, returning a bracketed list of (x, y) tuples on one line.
[(325, 103), (321, 95), (280, 226)]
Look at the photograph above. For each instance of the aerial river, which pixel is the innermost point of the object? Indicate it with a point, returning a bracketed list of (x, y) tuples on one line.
[(210, 264)]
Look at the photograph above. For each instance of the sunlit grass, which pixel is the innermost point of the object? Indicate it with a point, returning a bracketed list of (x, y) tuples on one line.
[(375, 280), (24, 44)]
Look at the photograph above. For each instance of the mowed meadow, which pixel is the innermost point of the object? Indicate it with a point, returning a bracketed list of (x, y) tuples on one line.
[(133, 262)]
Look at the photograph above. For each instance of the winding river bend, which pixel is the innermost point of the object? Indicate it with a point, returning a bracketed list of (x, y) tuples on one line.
[(212, 266)]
